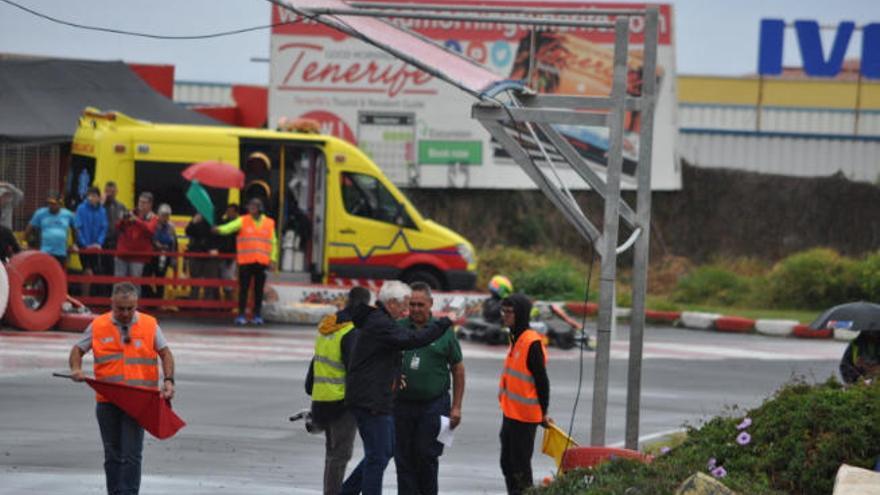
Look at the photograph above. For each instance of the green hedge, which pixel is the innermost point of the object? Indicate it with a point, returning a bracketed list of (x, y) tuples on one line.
[(798, 439)]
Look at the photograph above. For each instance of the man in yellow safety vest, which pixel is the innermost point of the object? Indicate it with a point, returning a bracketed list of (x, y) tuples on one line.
[(257, 250), (325, 382)]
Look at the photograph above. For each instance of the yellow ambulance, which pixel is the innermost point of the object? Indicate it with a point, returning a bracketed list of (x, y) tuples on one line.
[(359, 227)]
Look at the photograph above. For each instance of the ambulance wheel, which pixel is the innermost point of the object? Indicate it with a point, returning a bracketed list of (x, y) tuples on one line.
[(426, 275), (37, 287)]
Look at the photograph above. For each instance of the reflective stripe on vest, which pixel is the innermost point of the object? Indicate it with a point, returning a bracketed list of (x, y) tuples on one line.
[(517, 393), (328, 369), (254, 243), (134, 363)]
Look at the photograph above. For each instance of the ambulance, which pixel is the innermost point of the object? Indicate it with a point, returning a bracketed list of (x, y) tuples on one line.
[(358, 226)]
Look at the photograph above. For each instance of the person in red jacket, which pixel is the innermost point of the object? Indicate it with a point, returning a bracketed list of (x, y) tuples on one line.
[(135, 232)]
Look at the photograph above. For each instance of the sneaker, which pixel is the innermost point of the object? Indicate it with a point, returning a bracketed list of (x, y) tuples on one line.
[(240, 321), (257, 320)]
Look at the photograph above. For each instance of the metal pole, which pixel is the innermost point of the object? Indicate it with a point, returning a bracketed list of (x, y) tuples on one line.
[(499, 9), (643, 221), (525, 21), (609, 248)]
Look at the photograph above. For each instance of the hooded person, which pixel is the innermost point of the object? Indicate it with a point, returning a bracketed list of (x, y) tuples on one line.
[(523, 394), (325, 382)]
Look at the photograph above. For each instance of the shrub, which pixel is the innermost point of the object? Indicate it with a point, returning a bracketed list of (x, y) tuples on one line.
[(868, 276), (559, 280), (813, 279), (711, 285), (506, 261), (799, 438)]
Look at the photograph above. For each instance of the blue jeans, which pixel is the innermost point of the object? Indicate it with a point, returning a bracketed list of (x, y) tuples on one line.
[(377, 435), (417, 451), (123, 442)]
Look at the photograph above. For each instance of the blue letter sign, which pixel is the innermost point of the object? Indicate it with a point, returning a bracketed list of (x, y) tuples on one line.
[(812, 54)]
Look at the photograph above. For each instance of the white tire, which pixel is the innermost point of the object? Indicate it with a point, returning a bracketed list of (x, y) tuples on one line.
[(4, 290), (776, 328), (844, 334), (698, 320)]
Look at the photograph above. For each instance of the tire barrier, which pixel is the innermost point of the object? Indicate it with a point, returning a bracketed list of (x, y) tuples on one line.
[(844, 335), (37, 287), (807, 332), (4, 289), (662, 316), (698, 320), (582, 457), (734, 324), (776, 328), (302, 313), (74, 322)]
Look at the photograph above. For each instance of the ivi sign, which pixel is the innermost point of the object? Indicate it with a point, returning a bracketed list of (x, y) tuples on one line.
[(812, 54)]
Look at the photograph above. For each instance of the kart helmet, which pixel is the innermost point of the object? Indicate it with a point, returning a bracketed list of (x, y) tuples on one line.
[(500, 286)]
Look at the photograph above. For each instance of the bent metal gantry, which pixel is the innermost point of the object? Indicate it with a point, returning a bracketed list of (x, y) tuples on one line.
[(524, 122)]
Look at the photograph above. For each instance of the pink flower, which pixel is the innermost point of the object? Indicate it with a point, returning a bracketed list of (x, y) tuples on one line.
[(711, 464), (664, 450), (746, 422), (719, 472), (743, 438)]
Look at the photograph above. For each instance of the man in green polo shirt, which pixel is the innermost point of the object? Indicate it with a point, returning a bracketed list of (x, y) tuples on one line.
[(424, 398)]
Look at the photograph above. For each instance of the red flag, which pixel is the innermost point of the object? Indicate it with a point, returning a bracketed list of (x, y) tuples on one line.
[(144, 405)]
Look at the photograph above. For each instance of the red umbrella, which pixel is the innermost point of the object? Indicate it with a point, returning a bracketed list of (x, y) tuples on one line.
[(215, 174), (144, 405)]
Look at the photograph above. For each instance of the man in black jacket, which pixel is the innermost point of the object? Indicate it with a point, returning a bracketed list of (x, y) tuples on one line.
[(333, 349), (373, 376)]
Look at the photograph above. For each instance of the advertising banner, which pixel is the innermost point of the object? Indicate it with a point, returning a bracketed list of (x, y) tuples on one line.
[(418, 129)]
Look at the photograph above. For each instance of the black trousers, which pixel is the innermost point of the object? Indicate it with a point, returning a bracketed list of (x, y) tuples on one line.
[(246, 273), (517, 445)]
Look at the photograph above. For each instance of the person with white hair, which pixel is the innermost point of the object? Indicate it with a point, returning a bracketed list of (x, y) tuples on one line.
[(373, 378)]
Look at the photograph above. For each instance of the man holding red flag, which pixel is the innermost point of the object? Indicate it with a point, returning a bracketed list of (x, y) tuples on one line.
[(127, 346)]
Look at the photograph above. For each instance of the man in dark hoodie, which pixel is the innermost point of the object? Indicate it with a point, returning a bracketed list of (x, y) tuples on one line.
[(325, 382), (524, 394), (373, 377)]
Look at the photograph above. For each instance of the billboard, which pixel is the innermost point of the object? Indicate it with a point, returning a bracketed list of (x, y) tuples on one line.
[(418, 129)]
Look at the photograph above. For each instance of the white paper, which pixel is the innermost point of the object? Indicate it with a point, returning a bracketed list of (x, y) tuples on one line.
[(446, 435)]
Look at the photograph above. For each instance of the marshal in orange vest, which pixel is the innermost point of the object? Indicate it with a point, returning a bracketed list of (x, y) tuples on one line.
[(517, 392), (254, 243), (134, 363)]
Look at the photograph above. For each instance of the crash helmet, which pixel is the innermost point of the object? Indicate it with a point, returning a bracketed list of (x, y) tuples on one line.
[(500, 286)]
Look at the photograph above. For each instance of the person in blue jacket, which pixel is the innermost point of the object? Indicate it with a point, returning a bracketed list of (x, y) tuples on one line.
[(53, 223), (91, 231)]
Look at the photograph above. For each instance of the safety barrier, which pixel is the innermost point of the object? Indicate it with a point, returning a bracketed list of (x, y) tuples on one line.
[(734, 324), (37, 288), (177, 285)]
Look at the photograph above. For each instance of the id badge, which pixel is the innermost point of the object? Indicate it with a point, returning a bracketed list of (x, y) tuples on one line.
[(414, 364)]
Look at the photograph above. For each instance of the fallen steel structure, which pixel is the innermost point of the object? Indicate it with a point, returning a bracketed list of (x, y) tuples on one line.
[(523, 122)]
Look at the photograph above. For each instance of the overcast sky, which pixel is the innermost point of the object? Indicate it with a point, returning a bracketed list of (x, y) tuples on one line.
[(712, 36)]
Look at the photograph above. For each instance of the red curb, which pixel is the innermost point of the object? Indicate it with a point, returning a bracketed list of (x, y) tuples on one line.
[(580, 457), (74, 322), (581, 309), (662, 316), (734, 324), (805, 332)]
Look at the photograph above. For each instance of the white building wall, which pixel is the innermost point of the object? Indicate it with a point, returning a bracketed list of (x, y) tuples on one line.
[(857, 158), (790, 141)]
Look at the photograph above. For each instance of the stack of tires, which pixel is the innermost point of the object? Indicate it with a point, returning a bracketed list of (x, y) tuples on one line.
[(33, 288)]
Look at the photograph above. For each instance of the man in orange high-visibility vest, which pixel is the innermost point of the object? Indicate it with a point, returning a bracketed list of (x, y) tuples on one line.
[(523, 393), (127, 346), (257, 250)]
